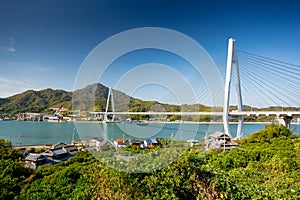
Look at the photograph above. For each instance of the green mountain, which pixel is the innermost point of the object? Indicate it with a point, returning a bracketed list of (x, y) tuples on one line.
[(35, 101), (90, 98)]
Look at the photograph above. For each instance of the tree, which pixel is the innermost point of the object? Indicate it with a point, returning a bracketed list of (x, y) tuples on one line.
[(265, 135)]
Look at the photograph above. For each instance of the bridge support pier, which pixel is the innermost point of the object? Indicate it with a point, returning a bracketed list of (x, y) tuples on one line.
[(287, 121)]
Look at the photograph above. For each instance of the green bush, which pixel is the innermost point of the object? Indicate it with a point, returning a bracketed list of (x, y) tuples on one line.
[(265, 135)]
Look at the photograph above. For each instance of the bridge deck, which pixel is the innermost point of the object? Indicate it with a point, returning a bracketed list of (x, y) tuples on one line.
[(232, 113)]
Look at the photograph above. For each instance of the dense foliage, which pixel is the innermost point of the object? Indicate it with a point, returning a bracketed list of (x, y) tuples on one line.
[(265, 166), (35, 101), (13, 174)]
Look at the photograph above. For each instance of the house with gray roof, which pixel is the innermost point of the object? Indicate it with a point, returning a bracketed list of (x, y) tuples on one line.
[(33, 160), (219, 140), (56, 153)]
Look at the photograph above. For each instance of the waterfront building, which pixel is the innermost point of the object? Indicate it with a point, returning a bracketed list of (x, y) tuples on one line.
[(96, 142), (71, 149), (120, 143), (134, 141), (79, 143), (56, 153), (219, 140), (30, 116), (151, 143), (33, 160)]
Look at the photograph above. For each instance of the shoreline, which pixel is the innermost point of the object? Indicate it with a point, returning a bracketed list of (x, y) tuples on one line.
[(35, 146), (175, 122), (151, 122)]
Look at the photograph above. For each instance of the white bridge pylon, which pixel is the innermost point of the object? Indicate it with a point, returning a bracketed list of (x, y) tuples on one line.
[(110, 96), (232, 65)]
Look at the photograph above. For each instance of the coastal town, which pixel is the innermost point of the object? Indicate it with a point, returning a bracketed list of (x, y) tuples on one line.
[(61, 151), (38, 155)]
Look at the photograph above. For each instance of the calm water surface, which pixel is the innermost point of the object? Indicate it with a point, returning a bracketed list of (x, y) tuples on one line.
[(27, 132)]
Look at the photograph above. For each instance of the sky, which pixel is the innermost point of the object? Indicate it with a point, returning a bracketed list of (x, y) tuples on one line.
[(44, 43)]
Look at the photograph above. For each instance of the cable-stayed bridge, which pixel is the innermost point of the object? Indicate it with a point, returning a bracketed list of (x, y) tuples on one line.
[(258, 82), (231, 113)]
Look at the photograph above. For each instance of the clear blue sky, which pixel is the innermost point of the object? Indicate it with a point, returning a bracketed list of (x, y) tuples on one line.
[(43, 43)]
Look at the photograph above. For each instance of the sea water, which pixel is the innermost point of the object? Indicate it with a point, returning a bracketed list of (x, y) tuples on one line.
[(31, 133)]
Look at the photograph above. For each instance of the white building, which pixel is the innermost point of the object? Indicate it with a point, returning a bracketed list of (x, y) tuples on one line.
[(96, 142)]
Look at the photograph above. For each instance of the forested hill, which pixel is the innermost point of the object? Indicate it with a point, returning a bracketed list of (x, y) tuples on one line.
[(41, 101), (35, 101)]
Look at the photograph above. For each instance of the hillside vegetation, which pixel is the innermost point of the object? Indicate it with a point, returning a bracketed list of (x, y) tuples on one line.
[(266, 165), (35, 101), (91, 98)]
